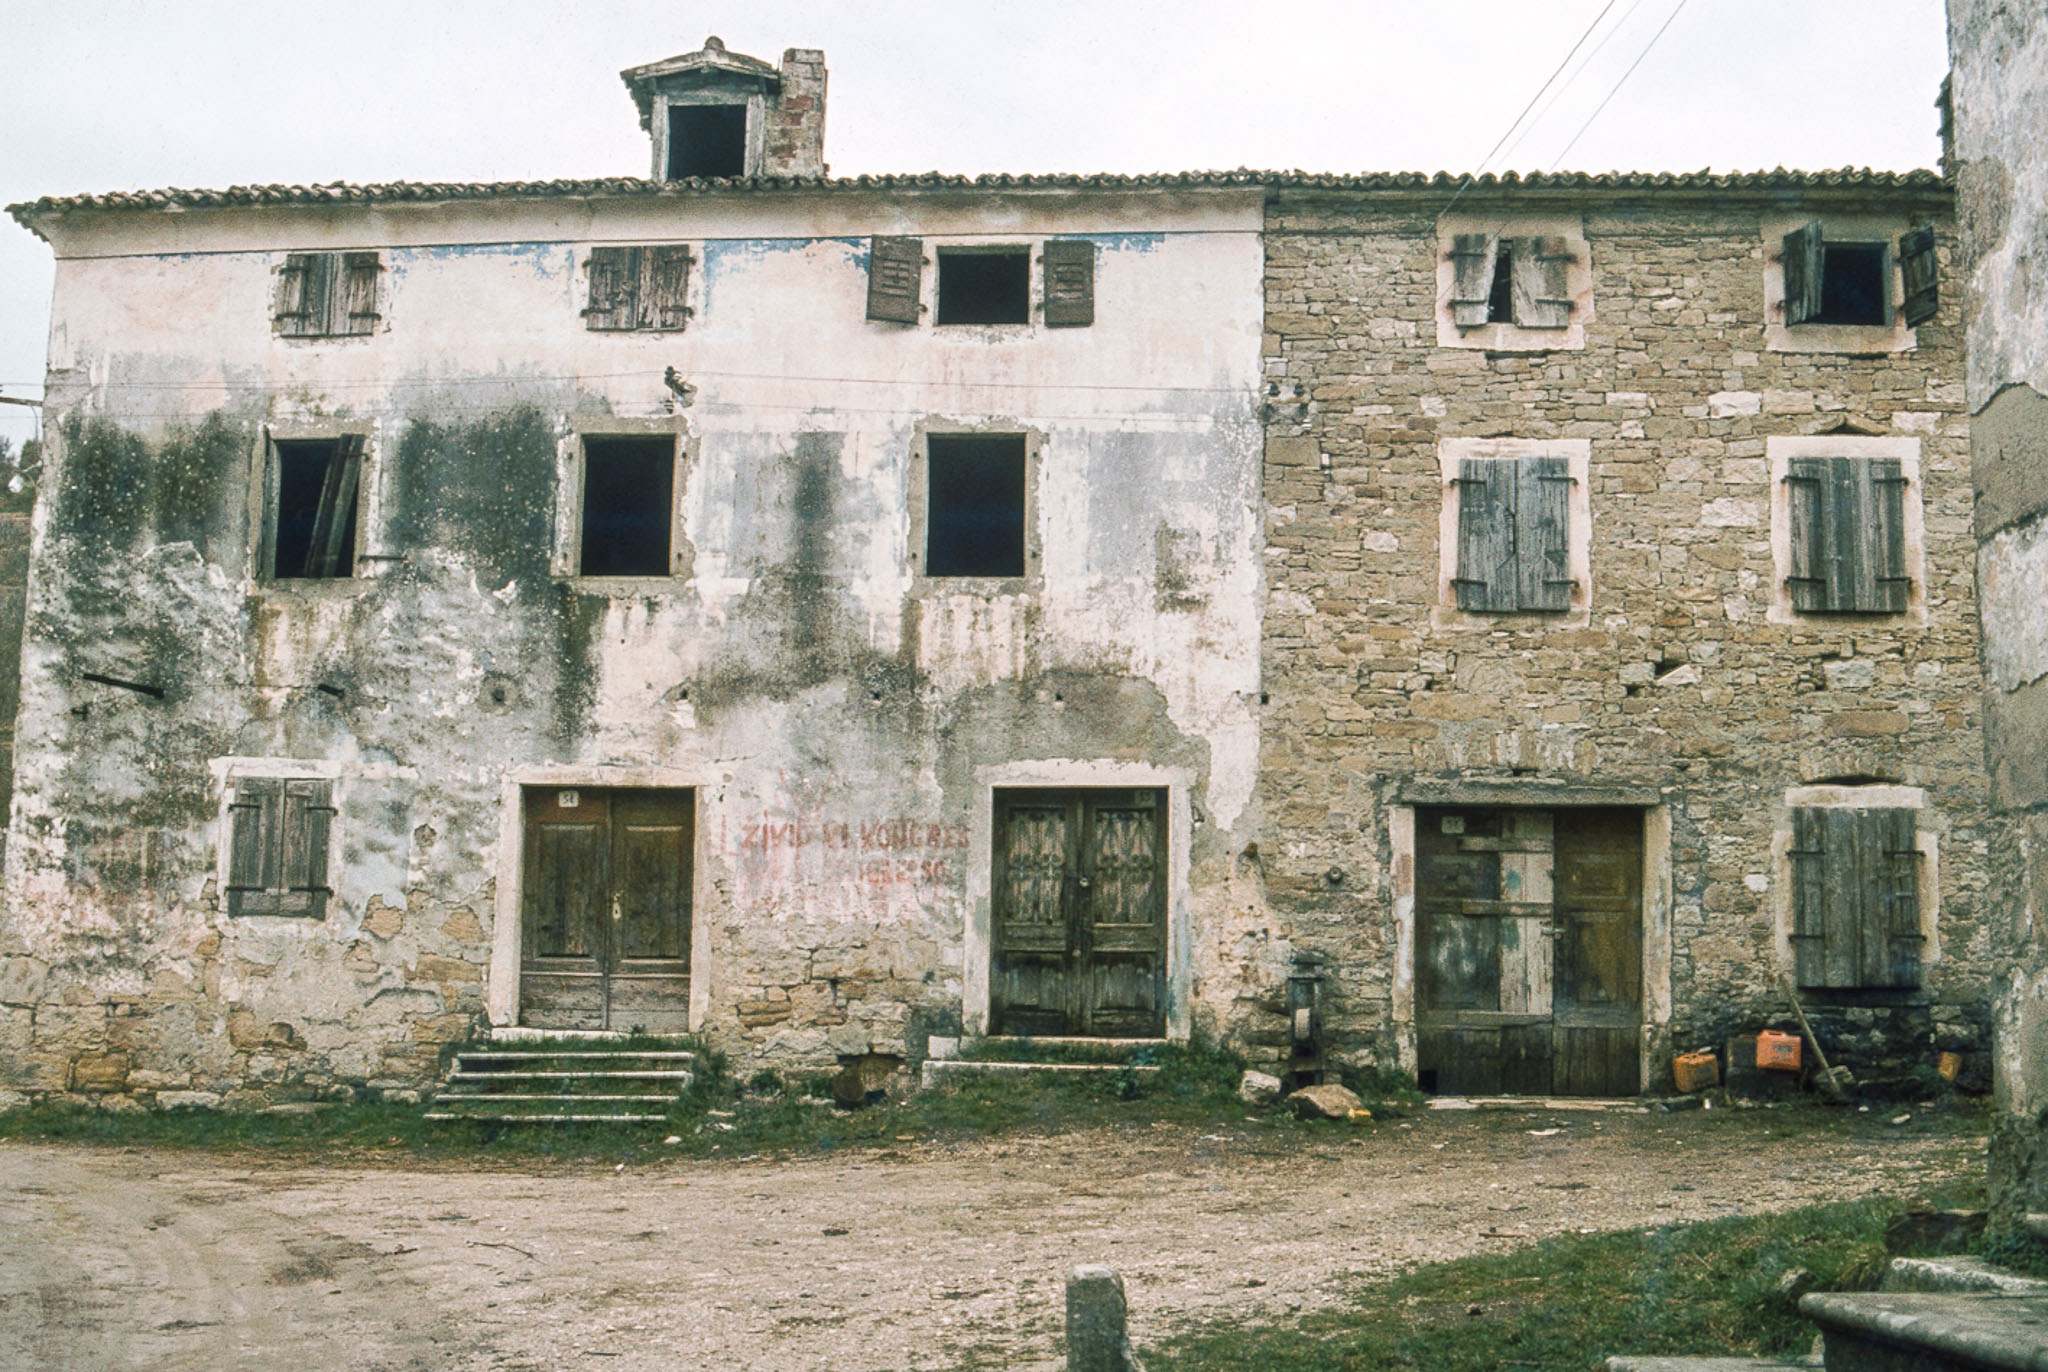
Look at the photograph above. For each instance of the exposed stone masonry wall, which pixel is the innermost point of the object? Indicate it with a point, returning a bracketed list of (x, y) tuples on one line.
[(1676, 681)]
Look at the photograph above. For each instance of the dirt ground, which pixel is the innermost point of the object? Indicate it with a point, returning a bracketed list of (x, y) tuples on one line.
[(931, 1256)]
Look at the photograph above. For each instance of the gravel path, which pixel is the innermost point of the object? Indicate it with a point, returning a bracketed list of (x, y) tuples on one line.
[(930, 1256)]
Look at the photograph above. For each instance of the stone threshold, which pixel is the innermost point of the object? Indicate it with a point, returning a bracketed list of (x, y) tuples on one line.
[(940, 1070)]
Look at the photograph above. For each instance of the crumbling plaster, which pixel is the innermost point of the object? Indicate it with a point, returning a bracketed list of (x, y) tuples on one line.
[(833, 713)]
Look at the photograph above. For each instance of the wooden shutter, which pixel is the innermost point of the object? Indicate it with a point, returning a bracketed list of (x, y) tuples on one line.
[(895, 273), (302, 294), (614, 289), (1848, 527), (664, 292), (308, 813), (1472, 259), (1069, 283), (355, 306), (1804, 254), (1543, 533), (1488, 579), (1855, 898), (329, 553), (1923, 285), (1541, 272), (255, 823)]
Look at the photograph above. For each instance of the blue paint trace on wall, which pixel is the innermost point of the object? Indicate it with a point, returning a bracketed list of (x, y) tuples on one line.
[(726, 256), (548, 259), (1117, 242)]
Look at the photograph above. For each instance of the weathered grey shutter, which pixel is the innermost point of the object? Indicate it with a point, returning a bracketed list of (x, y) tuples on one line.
[(1541, 272), (1809, 896), (1848, 526), (1472, 258), (308, 812), (1806, 510), (302, 294), (1543, 533), (355, 307), (1881, 585), (614, 289), (255, 822), (1855, 898), (1804, 253), (1923, 284), (895, 274), (329, 546), (1069, 283), (664, 295), (1488, 578)]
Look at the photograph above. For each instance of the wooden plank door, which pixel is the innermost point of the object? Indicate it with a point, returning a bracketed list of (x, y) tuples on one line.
[(1598, 997), (605, 936), (1079, 910), (1528, 951)]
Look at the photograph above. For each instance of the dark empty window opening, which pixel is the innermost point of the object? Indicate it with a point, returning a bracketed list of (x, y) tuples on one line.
[(1500, 301), (985, 287), (707, 141), (315, 532), (974, 509), (628, 490), (1852, 289)]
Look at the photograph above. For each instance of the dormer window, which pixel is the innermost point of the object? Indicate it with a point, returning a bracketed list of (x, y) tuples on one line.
[(706, 141)]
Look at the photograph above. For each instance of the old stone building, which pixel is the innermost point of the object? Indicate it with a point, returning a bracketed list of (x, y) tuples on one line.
[(1999, 117), (1619, 647), (692, 601), (1489, 632)]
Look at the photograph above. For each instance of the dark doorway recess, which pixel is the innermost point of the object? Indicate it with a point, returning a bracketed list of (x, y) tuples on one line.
[(628, 503), (974, 507), (985, 287), (707, 140)]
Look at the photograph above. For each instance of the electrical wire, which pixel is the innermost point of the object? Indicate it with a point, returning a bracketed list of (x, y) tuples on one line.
[(1561, 152)]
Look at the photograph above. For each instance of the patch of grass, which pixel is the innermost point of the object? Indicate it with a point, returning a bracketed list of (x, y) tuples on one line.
[(1566, 1304)]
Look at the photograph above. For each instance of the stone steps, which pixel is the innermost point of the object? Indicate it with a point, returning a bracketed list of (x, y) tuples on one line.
[(545, 1084), (945, 1066)]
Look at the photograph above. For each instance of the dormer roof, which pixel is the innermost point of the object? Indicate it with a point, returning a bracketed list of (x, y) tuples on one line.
[(709, 65)]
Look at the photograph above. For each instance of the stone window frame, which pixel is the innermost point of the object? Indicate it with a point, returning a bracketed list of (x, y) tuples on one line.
[(501, 989), (1444, 614), (1779, 450), (263, 496), (1516, 338), (1866, 339), (978, 936), (755, 101), (1882, 795), (226, 772), (569, 461), (917, 500)]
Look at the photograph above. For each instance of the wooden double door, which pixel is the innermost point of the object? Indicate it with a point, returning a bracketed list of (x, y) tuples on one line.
[(1078, 895), (605, 923), (1529, 951)]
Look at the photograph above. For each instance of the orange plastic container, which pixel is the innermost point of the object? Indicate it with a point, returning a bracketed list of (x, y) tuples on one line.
[(1696, 1071), (1778, 1052)]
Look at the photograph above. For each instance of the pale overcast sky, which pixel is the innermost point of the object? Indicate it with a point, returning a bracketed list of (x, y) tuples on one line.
[(103, 95)]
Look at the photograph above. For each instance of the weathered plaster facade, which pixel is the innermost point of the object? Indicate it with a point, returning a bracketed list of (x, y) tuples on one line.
[(1999, 89), (1675, 682), (838, 719)]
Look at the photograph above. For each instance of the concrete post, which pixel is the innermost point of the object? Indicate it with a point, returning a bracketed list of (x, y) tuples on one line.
[(1096, 1341)]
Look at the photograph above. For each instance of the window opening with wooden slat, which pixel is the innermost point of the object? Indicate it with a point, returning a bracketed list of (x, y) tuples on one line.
[(1855, 898), (1514, 534), (638, 288), (1847, 519), (328, 295), (313, 524)]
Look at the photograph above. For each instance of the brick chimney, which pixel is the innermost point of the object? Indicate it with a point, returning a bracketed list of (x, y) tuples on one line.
[(712, 114)]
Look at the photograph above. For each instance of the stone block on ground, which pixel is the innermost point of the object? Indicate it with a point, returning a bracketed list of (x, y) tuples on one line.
[(1259, 1088), (1328, 1101), (1935, 1229), (1097, 1340)]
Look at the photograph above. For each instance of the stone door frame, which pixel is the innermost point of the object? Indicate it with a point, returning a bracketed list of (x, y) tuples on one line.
[(1657, 892), (501, 992), (978, 944)]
